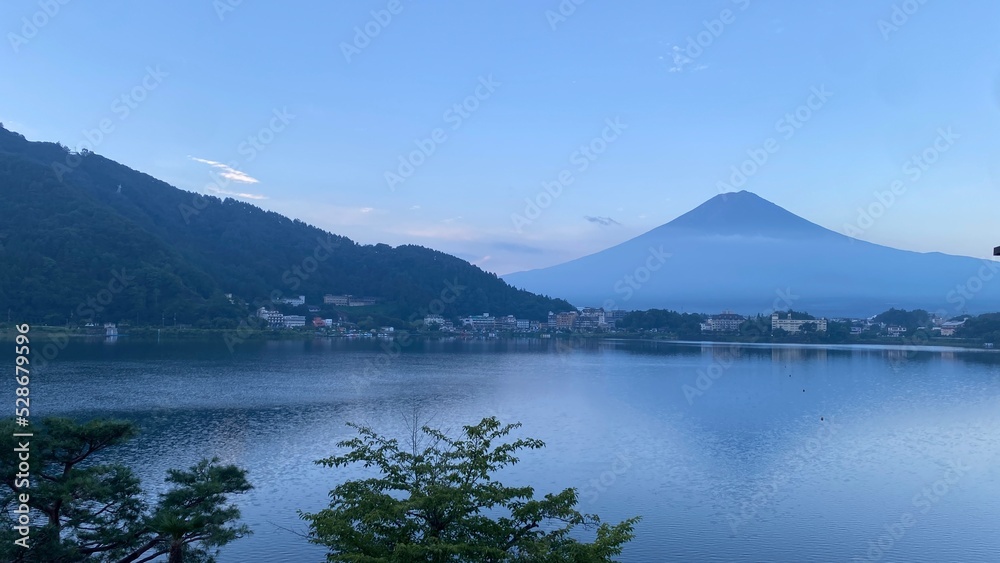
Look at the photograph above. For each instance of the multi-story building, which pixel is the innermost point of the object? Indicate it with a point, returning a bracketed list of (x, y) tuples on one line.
[(792, 326), (339, 300), (294, 321), (727, 321), (348, 300), (480, 322), (274, 319), (948, 328), (523, 325), (506, 323), (560, 321), (590, 318), (612, 316), (443, 324), (295, 301), (434, 319)]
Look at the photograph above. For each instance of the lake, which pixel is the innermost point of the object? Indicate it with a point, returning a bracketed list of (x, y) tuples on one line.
[(728, 452)]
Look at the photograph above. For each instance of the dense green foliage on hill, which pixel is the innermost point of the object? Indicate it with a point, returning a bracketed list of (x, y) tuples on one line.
[(900, 317), (684, 325), (983, 327), (796, 315), (84, 238)]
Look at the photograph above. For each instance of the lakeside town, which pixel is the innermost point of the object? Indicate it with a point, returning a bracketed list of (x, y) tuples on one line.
[(892, 325)]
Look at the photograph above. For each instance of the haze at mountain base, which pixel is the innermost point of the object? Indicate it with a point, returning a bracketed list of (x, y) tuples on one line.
[(741, 252)]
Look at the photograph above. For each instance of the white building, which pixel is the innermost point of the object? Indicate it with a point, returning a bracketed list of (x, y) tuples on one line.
[(895, 331), (728, 321), (590, 318), (294, 301), (274, 318), (294, 321), (949, 328), (434, 319), (793, 326), (480, 322)]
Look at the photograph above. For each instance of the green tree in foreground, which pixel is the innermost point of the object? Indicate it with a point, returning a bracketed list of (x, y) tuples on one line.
[(83, 510), (440, 503)]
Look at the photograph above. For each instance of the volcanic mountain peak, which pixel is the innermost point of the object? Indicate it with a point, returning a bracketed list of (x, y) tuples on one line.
[(743, 213)]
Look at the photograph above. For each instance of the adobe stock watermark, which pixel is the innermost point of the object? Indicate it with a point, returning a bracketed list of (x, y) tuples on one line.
[(959, 297), (367, 32), (224, 7), (701, 41), (913, 169), (581, 159), (721, 363), (563, 11), (250, 148), (627, 285), (619, 466), (96, 304), (632, 282), (900, 16), (456, 116), (292, 278), (33, 24), (805, 454), (88, 310), (787, 126), (391, 349), (963, 293), (121, 108), (923, 501)]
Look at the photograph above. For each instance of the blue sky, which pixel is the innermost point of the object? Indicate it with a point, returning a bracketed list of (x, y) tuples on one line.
[(640, 109)]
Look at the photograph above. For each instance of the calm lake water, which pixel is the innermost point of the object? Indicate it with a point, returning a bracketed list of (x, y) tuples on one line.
[(729, 453)]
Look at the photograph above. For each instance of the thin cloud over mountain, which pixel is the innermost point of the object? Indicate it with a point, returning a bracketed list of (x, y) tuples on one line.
[(601, 220)]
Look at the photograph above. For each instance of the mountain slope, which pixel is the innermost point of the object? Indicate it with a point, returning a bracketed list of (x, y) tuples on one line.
[(738, 251), (67, 227)]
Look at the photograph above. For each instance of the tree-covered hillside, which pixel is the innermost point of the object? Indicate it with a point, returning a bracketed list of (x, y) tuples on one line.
[(84, 238)]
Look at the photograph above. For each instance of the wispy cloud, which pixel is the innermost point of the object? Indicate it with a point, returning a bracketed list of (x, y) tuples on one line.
[(446, 233), (228, 172), (517, 248), (680, 60), (243, 195), (601, 220)]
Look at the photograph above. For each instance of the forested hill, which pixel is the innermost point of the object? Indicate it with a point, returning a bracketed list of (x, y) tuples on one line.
[(74, 246)]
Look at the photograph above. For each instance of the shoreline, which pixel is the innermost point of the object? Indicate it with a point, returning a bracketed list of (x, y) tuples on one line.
[(145, 334)]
